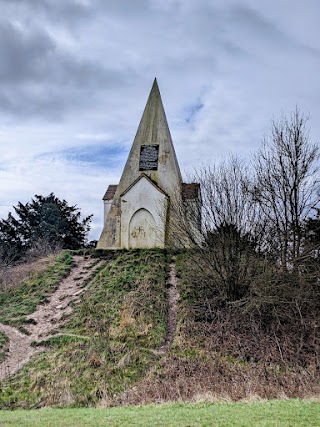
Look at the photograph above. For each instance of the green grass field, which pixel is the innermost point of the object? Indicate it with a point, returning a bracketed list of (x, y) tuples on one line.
[(273, 413)]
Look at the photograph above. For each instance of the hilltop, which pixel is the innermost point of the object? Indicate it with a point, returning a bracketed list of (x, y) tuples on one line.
[(129, 327)]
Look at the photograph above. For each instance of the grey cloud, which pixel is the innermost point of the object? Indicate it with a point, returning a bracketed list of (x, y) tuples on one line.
[(23, 53), (31, 56), (72, 86), (125, 7), (267, 40), (39, 77), (66, 11), (260, 28), (256, 23), (63, 9)]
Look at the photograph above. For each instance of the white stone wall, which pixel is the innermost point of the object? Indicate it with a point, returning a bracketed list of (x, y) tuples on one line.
[(143, 216), (107, 205)]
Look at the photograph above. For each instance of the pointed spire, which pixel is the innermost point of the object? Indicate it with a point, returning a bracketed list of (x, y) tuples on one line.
[(153, 118), (153, 131), (155, 84), (155, 90)]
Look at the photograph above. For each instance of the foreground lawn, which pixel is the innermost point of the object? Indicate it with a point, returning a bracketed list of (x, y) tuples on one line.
[(277, 413)]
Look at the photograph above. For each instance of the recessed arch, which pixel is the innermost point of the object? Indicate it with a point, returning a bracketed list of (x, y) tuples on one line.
[(142, 230)]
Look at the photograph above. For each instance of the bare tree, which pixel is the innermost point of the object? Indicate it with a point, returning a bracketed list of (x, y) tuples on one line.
[(286, 184), (229, 239)]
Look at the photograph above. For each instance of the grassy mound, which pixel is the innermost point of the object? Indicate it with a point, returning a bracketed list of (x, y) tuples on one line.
[(109, 341), (108, 351)]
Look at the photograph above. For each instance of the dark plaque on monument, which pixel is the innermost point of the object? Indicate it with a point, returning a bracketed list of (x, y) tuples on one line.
[(149, 157)]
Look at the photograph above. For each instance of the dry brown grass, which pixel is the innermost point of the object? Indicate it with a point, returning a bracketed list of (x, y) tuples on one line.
[(209, 378), (11, 277)]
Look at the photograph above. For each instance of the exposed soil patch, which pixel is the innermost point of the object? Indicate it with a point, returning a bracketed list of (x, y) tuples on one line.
[(46, 319), (173, 298)]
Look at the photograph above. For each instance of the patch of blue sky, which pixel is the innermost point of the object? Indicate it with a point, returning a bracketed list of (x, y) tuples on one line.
[(100, 156), (191, 112)]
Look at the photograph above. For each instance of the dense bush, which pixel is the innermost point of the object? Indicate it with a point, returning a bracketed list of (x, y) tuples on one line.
[(42, 225)]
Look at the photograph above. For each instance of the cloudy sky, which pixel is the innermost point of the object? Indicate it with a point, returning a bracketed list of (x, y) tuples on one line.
[(75, 76)]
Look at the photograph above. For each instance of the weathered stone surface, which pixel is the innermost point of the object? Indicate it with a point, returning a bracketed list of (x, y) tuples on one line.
[(160, 182), (143, 227)]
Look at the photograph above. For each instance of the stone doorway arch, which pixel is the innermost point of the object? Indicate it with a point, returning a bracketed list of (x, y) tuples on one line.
[(142, 230)]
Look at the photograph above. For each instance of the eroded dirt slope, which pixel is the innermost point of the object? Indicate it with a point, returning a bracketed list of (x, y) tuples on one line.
[(46, 319)]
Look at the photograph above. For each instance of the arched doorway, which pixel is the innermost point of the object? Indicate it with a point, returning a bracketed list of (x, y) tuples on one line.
[(142, 230)]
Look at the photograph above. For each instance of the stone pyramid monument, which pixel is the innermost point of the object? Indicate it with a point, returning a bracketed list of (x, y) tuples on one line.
[(136, 211)]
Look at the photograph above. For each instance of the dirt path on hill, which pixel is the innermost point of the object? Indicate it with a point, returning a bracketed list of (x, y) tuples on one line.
[(46, 319), (173, 298)]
